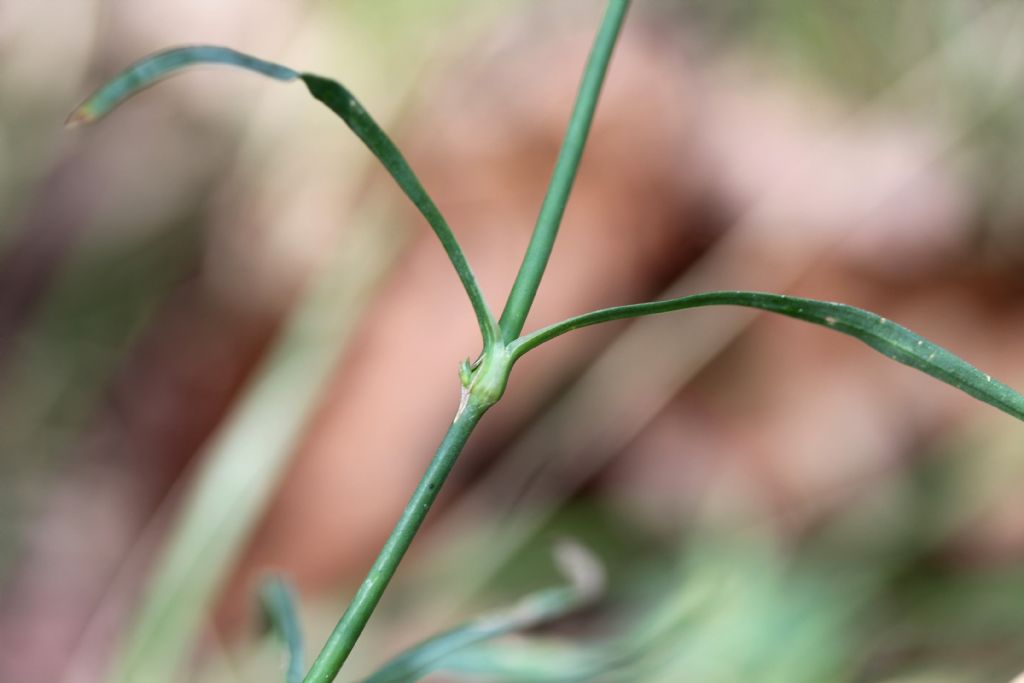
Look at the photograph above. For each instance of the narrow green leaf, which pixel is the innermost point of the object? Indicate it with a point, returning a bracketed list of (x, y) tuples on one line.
[(338, 99), (278, 601), (161, 65), (885, 336), (586, 582)]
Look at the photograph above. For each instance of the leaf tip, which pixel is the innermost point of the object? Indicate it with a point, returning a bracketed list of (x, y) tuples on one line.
[(83, 115)]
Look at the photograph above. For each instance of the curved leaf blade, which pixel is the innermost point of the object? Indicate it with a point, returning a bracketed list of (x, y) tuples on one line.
[(586, 582), (278, 601), (157, 67), (885, 336), (338, 99)]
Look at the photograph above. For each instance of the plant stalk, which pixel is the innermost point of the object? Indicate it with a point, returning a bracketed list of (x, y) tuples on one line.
[(524, 289), (488, 383), (341, 641)]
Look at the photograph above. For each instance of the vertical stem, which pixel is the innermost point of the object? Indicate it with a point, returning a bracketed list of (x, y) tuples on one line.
[(539, 251), (351, 624), (491, 382)]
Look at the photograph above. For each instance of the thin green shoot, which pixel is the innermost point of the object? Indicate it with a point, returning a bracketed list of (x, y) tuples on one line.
[(535, 261)]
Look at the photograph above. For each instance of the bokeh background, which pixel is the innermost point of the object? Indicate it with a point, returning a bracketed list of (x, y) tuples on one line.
[(228, 345)]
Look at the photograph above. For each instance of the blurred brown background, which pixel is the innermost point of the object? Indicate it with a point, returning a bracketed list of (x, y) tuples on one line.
[(216, 285)]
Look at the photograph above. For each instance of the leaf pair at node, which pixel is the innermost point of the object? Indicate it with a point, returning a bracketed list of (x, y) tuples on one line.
[(891, 339)]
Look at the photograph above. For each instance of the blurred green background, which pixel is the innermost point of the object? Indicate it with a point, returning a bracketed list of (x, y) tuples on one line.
[(227, 346)]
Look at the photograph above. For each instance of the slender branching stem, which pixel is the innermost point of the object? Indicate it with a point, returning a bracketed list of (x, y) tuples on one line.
[(484, 382), (484, 385), (520, 299)]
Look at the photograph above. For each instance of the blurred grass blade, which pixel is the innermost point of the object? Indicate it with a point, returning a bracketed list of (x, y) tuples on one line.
[(534, 660), (586, 582), (338, 99), (278, 601), (240, 468), (885, 336), (159, 66)]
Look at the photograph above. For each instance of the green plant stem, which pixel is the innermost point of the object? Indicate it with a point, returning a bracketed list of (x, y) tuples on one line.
[(341, 641), (489, 380), (520, 299)]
